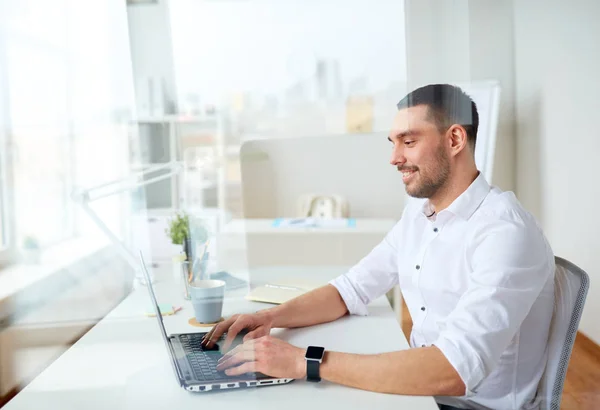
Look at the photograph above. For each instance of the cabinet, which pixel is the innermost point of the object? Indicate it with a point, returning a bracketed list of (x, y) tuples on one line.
[(204, 188)]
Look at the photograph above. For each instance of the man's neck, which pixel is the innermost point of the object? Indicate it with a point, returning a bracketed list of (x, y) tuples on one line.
[(452, 190)]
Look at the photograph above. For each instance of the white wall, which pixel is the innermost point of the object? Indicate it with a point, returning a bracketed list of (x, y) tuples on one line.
[(462, 41), (558, 98), (354, 166)]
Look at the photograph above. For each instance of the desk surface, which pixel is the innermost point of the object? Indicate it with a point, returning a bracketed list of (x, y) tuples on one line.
[(256, 225), (122, 362)]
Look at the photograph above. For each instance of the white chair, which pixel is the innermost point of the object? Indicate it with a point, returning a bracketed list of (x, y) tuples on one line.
[(571, 285)]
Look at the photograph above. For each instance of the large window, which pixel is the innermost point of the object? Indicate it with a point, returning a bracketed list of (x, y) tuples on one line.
[(68, 96), (287, 68), (37, 74), (40, 126), (5, 201), (66, 104), (3, 217)]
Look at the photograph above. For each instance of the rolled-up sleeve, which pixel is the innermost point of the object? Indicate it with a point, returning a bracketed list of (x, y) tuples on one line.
[(374, 275), (510, 265)]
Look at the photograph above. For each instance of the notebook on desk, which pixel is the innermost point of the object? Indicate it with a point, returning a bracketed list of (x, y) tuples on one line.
[(281, 292)]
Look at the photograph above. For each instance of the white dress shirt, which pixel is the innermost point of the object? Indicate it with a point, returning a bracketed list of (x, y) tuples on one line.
[(478, 280)]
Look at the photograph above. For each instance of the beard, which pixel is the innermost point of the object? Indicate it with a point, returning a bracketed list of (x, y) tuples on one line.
[(430, 179)]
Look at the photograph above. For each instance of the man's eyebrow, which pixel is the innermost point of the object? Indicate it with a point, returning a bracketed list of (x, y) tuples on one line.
[(403, 134)]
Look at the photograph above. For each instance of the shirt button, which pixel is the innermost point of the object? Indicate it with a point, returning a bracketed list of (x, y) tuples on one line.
[(435, 229), (423, 308), (418, 267)]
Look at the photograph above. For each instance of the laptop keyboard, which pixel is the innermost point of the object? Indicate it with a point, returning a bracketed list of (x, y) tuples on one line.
[(203, 362)]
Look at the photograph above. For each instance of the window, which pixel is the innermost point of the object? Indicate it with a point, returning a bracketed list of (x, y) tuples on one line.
[(40, 129), (36, 70), (3, 217), (297, 82), (5, 200), (67, 88), (66, 100)]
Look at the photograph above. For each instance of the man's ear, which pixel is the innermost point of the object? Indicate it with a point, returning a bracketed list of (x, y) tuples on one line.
[(458, 139)]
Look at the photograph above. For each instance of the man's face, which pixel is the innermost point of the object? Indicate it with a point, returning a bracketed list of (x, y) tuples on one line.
[(419, 152)]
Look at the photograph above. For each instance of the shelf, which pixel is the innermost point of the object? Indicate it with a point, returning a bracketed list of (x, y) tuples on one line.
[(175, 119), (165, 139)]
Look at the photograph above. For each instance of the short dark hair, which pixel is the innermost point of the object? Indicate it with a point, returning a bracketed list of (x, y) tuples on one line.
[(447, 105)]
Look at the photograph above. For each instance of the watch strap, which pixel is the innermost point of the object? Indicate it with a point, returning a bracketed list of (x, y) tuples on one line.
[(312, 371)]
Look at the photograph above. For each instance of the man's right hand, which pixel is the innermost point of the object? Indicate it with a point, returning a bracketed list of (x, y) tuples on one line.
[(258, 324)]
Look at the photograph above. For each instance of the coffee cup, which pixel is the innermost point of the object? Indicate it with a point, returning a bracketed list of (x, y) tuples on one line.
[(207, 299)]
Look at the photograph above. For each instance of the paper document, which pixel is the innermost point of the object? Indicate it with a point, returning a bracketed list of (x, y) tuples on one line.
[(314, 223), (281, 292)]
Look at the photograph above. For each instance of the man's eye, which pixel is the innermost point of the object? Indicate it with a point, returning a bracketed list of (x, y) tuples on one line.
[(408, 142)]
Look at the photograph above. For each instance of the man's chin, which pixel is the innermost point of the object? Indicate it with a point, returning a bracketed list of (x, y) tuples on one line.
[(412, 192)]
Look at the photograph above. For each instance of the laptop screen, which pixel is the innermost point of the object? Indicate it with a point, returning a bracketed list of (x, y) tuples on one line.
[(161, 325)]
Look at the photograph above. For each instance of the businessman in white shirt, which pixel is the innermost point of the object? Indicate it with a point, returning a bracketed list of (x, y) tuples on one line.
[(474, 268)]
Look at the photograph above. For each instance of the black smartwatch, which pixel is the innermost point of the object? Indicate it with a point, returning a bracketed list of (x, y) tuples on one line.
[(314, 357)]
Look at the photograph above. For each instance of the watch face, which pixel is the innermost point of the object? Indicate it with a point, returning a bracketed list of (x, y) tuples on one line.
[(315, 352)]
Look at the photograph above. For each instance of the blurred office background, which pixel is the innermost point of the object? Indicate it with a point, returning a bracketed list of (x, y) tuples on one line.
[(232, 111)]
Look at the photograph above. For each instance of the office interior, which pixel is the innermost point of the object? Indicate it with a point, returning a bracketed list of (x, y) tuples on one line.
[(265, 123)]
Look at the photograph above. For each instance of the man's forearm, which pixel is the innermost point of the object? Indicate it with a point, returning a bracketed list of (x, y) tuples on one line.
[(421, 371), (318, 306)]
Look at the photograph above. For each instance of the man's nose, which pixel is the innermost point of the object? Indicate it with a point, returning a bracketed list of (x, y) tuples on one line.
[(397, 156)]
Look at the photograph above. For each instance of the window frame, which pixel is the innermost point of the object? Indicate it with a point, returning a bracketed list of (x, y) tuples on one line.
[(8, 253)]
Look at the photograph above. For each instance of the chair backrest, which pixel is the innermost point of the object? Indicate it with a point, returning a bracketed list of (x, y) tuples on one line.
[(571, 285)]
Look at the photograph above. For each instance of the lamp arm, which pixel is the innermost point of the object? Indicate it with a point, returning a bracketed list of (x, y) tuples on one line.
[(84, 197)]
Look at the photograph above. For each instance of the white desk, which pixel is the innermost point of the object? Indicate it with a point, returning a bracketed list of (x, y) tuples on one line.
[(122, 363), (262, 244)]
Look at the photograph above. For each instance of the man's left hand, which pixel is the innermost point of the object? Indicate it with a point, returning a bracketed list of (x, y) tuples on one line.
[(267, 355)]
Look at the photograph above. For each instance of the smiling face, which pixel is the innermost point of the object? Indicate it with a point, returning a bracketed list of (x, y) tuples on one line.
[(419, 152)]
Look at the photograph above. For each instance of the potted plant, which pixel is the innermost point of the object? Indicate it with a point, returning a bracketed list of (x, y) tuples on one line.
[(178, 231), (31, 250), (192, 234), (188, 232)]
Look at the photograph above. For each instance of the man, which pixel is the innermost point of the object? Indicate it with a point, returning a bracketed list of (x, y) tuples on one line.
[(474, 268)]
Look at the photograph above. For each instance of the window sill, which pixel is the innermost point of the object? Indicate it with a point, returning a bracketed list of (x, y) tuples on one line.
[(17, 277)]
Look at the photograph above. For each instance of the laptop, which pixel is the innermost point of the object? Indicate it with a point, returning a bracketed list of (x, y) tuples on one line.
[(196, 367)]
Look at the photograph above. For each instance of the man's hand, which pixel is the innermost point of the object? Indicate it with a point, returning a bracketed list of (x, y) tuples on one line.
[(267, 355), (259, 324)]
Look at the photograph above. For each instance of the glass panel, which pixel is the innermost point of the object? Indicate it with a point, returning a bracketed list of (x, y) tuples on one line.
[(70, 104)]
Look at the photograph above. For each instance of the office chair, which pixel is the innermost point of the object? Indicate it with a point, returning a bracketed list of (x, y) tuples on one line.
[(571, 285)]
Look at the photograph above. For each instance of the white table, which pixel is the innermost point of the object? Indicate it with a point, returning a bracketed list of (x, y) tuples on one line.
[(262, 244), (122, 362)]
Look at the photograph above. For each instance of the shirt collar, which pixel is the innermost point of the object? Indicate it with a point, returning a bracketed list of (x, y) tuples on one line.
[(467, 202)]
